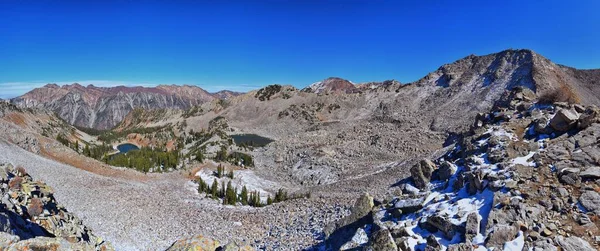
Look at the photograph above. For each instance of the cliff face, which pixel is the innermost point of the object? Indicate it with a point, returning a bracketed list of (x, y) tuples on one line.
[(103, 108)]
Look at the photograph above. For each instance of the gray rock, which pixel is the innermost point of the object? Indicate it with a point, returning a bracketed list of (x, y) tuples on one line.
[(590, 200), (432, 244), (436, 222), (591, 173), (409, 205), (500, 234), (541, 126), (564, 120), (474, 181), (472, 226), (562, 192), (382, 240), (573, 244), (421, 173), (409, 189), (570, 179), (467, 246), (446, 170)]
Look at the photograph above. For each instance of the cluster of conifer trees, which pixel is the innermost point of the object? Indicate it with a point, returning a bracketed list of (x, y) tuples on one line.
[(230, 195)]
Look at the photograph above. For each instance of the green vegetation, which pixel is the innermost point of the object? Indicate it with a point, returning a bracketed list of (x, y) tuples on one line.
[(230, 195), (146, 159)]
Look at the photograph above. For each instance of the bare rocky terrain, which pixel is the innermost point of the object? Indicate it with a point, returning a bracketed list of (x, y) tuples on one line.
[(334, 140)]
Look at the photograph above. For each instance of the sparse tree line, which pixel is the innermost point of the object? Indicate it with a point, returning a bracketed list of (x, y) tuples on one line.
[(230, 195)]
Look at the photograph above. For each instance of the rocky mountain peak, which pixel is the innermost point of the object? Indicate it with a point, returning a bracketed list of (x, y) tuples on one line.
[(331, 85)]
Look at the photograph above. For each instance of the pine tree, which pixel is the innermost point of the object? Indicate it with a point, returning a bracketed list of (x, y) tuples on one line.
[(230, 174), (230, 194), (244, 196), (219, 171), (269, 200), (223, 189), (214, 188), (76, 146)]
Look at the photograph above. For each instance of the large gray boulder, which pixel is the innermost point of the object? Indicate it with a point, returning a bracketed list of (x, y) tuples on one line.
[(499, 235), (573, 244), (590, 200), (564, 120), (591, 173), (409, 205), (421, 173)]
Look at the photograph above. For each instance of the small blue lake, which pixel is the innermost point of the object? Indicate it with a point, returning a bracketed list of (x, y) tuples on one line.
[(123, 148)]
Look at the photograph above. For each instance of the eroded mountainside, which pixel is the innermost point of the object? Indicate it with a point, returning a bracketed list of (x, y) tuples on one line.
[(103, 108)]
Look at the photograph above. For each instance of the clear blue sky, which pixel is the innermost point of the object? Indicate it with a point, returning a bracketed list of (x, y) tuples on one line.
[(246, 44)]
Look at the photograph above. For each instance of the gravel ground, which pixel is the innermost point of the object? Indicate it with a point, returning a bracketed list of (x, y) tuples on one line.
[(159, 209)]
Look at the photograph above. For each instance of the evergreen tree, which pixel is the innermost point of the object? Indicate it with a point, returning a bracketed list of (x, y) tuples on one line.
[(230, 194), (214, 188), (76, 146), (269, 200), (230, 174), (244, 196), (223, 189), (219, 171)]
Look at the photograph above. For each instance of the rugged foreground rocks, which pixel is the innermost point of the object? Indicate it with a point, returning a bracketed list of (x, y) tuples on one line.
[(31, 219), (526, 177)]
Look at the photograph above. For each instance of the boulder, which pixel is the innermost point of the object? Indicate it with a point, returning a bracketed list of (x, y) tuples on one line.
[(410, 205), (47, 243), (467, 246), (472, 226), (409, 189), (474, 182), (446, 170), (564, 120), (197, 242), (439, 223), (499, 235), (382, 241), (591, 173), (573, 244), (590, 200), (421, 173), (590, 117), (432, 244)]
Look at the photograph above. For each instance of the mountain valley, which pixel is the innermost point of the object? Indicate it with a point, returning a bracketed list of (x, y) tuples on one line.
[(484, 152)]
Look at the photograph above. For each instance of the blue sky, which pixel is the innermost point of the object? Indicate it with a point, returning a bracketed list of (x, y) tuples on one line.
[(242, 45)]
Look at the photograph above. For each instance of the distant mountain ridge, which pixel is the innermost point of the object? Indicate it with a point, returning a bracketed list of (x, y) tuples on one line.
[(463, 87), (104, 107)]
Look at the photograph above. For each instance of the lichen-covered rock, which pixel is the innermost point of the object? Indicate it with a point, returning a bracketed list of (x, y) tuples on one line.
[(421, 173)]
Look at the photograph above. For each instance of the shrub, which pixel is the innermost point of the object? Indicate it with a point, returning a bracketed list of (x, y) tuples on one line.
[(562, 94), (15, 183), (36, 207)]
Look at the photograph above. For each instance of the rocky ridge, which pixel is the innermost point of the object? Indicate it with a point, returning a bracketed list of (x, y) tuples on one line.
[(31, 219), (524, 178), (103, 108)]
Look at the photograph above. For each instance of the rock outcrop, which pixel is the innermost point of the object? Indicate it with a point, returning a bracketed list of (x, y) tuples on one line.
[(31, 219), (526, 200)]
